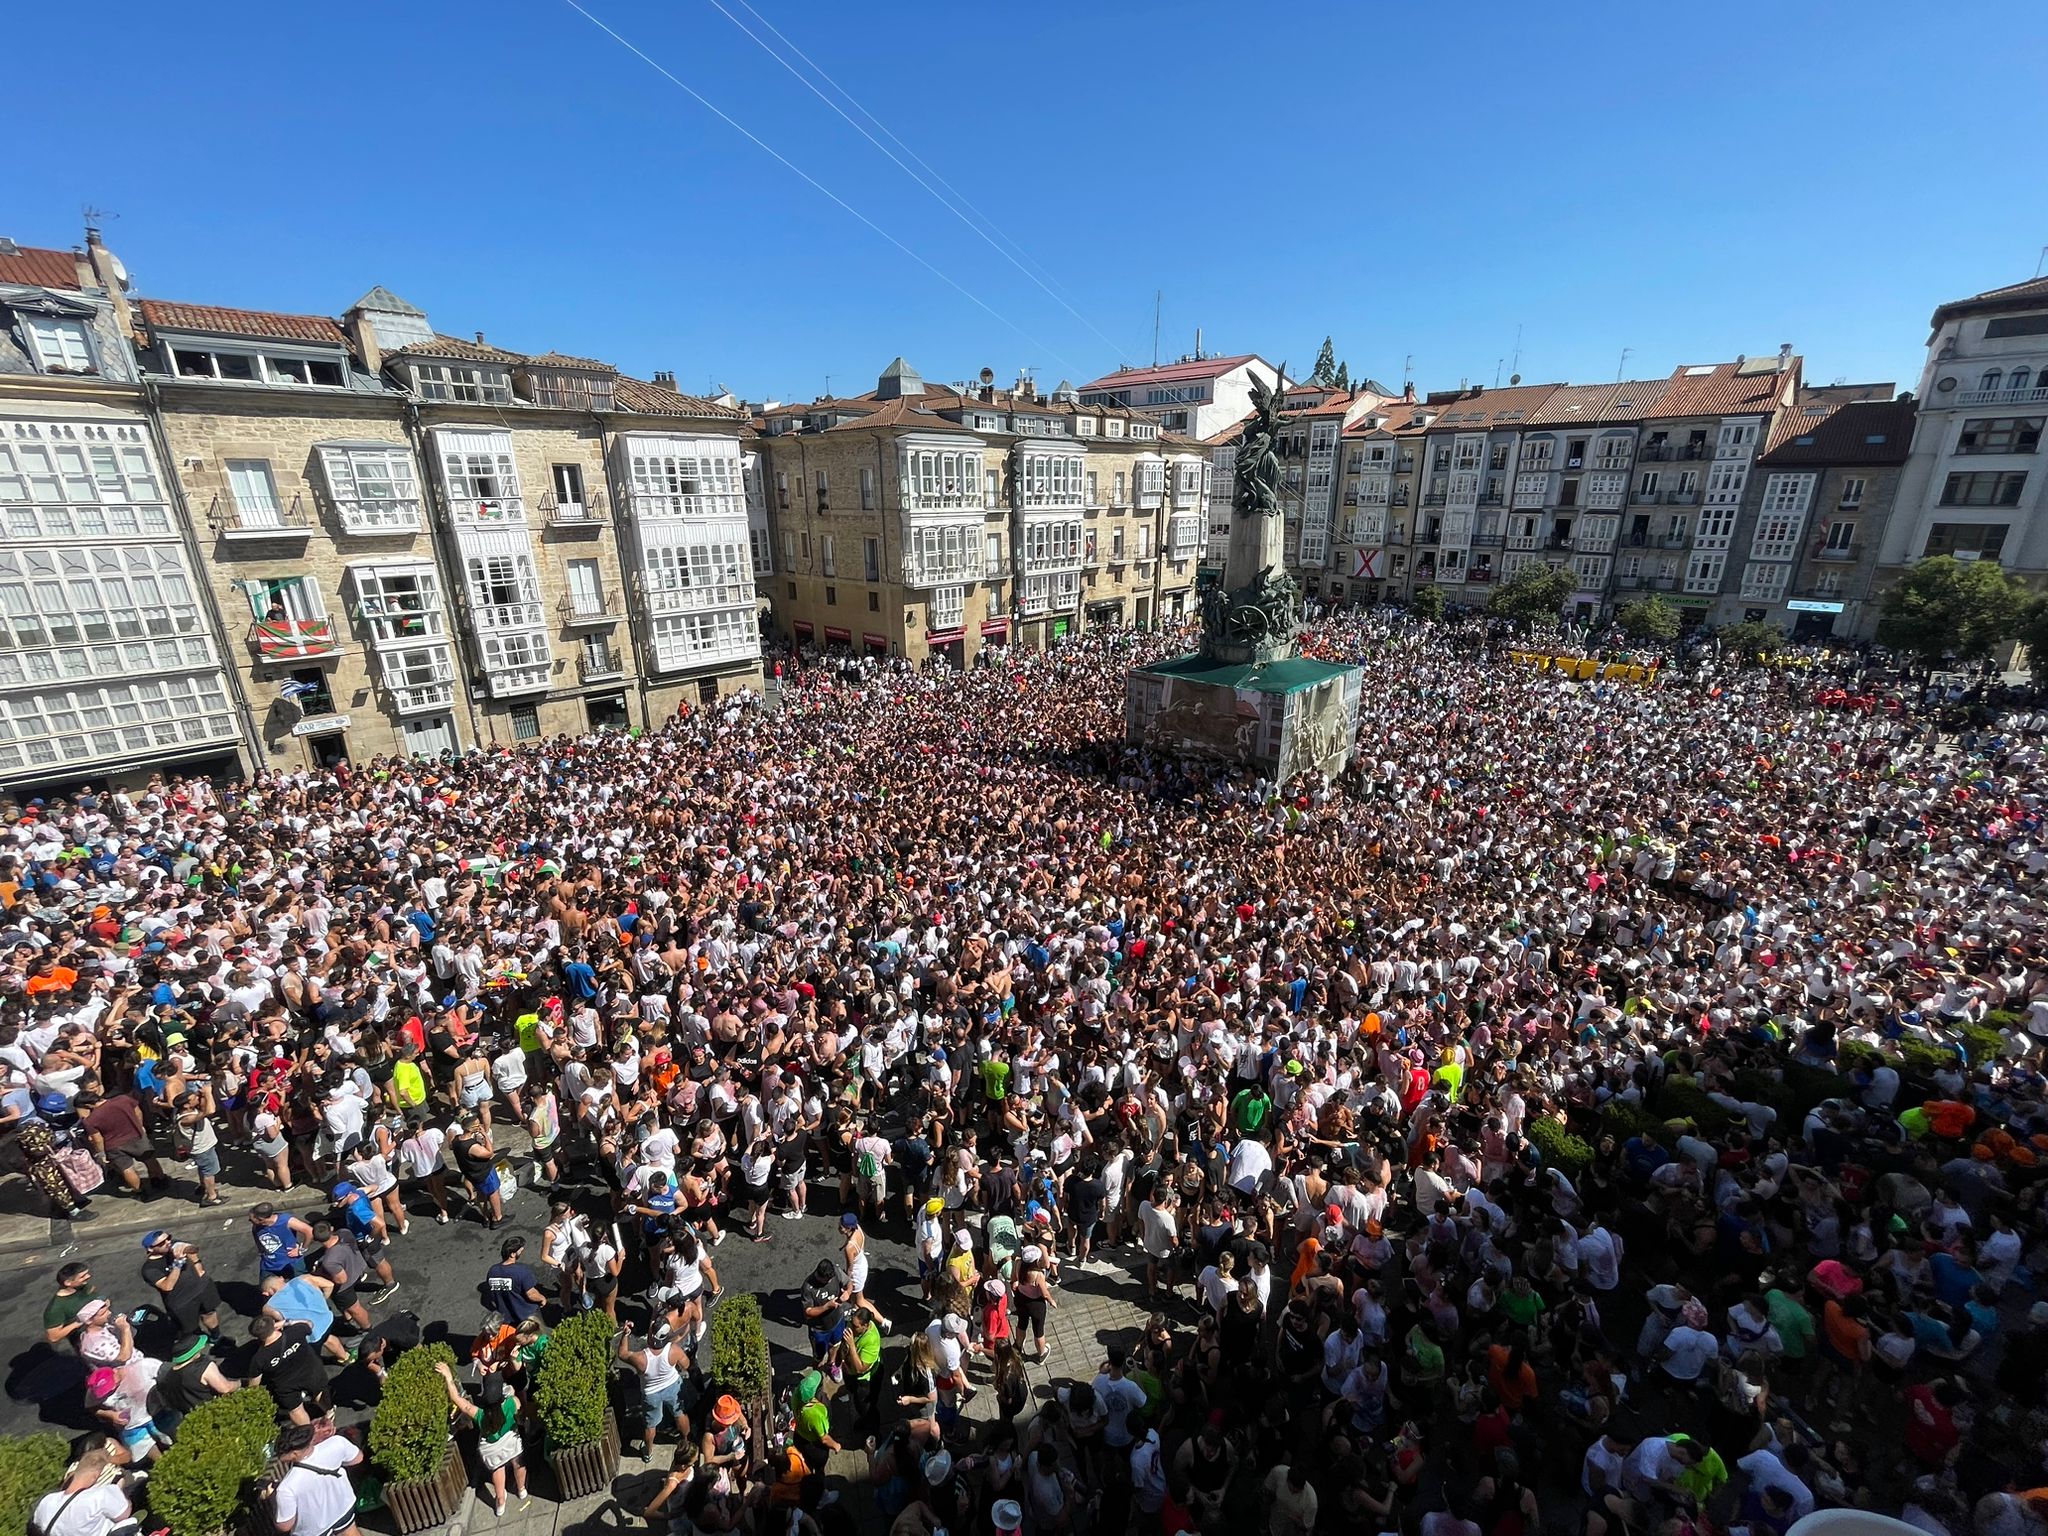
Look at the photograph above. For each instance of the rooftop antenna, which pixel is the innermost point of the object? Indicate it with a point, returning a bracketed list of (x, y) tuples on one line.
[(95, 217), (1407, 371), (2043, 262), (1157, 295), (828, 386), (1498, 364), (1622, 367), (1517, 369)]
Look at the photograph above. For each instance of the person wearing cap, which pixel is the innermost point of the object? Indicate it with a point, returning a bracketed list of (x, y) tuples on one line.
[(176, 1272), (812, 1424), (190, 1377), (662, 1366)]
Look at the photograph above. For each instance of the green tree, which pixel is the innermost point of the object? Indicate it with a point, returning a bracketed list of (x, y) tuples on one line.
[(1648, 618), (2034, 635), (1534, 593), (1325, 372), (1343, 375), (1946, 607), (1427, 601), (1750, 639)]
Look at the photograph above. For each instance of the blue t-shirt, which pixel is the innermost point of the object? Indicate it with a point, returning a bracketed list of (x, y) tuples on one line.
[(505, 1288), (300, 1301), (582, 977), (272, 1243)]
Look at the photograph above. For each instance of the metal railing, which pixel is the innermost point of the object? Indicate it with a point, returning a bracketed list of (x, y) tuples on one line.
[(587, 608), (1838, 552), (587, 513), (231, 521), (592, 665)]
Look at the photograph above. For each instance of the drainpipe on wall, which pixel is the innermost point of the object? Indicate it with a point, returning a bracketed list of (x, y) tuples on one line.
[(440, 533), (628, 574), (188, 530)]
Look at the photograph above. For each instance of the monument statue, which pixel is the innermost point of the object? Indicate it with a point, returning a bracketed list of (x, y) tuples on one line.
[(1254, 613), (1247, 696)]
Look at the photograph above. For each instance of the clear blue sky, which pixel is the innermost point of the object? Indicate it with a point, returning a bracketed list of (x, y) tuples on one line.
[(1687, 181)]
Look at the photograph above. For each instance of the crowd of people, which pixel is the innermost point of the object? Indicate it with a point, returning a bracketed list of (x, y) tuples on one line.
[(1603, 1107)]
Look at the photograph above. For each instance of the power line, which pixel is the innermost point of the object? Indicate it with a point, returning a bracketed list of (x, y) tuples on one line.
[(944, 201), (787, 163)]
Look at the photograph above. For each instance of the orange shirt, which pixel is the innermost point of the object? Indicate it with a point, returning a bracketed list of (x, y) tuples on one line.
[(1512, 1390), (1849, 1338)]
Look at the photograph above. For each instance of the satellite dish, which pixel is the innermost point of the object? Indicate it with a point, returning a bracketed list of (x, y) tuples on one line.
[(988, 375)]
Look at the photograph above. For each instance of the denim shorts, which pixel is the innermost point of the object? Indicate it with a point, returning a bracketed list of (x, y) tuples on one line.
[(667, 1402)]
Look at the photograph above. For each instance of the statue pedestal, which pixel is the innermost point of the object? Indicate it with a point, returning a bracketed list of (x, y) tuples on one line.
[(1283, 717)]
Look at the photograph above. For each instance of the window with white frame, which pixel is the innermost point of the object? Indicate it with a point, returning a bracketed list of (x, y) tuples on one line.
[(1703, 572), (68, 596), (1688, 482), (1646, 485), (63, 344), (994, 567), (828, 564), (1051, 480), (1777, 535), (372, 487), (1537, 451), (1151, 481), (1841, 535), (59, 489), (516, 651), (1144, 541), (1084, 426), (948, 607), (1852, 492), (1765, 579), (398, 602), (503, 593), (57, 726), (1725, 482), (867, 488), (458, 382), (697, 480), (292, 601), (1737, 434), (254, 491), (420, 674), (251, 365), (692, 639), (1788, 493), (480, 477), (1589, 571)]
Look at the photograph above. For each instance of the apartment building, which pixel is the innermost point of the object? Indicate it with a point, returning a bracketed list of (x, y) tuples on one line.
[(1475, 446), (1195, 397), (110, 659), (1826, 480), (306, 495), (1705, 431), (1972, 485), (926, 521), (1381, 451)]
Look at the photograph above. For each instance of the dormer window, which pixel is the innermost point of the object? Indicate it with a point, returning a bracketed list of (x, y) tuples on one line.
[(571, 391), (460, 382), (62, 344), (238, 365), (1084, 426), (1114, 427)]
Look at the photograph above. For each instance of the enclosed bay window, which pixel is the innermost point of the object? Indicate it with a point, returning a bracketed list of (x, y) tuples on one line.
[(462, 382), (62, 343), (373, 488), (398, 602)]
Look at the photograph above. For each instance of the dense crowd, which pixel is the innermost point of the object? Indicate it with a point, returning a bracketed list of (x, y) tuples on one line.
[(1603, 1106)]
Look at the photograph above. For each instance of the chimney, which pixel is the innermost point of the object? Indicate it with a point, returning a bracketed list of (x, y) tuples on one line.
[(357, 327), (480, 339), (1784, 356), (664, 378), (108, 273), (1408, 393)]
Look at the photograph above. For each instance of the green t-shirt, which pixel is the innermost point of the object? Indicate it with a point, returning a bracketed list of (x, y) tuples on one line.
[(995, 1077), (1523, 1310), (813, 1422), (1793, 1322), (63, 1311), (867, 1347), (1249, 1108), (1425, 1352)]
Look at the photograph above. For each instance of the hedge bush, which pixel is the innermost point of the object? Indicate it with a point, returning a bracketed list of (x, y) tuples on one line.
[(409, 1425), (199, 1484), (1681, 1098), (1984, 1042), (739, 1350), (572, 1381), (1560, 1148), (1623, 1120), (30, 1466), (1853, 1054)]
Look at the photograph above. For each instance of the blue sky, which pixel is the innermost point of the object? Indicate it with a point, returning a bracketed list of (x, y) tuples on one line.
[(1684, 181)]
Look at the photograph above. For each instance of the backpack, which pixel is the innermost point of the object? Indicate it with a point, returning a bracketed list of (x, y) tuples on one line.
[(868, 1166)]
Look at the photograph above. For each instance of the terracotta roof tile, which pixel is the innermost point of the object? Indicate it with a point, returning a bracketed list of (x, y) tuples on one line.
[(637, 395), (1514, 406), (1169, 373), (1844, 435), (910, 413), (1719, 389), (35, 267), (161, 314), (2021, 295), (464, 351), (564, 360)]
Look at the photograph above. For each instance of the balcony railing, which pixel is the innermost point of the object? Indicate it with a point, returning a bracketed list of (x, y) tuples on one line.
[(1479, 575), (510, 682), (495, 616), (293, 639), (1433, 498), (402, 515), (1682, 498), (685, 506), (487, 511), (1666, 453), (2034, 396), (1838, 552), (587, 513), (587, 608), (233, 522), (592, 666), (1611, 461), (724, 594), (949, 498), (927, 574)]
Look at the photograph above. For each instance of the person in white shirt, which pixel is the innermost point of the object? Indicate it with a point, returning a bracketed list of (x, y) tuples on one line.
[(315, 1496), (84, 1506)]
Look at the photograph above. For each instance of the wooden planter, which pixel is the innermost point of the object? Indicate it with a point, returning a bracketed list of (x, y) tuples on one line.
[(420, 1502), (585, 1469)]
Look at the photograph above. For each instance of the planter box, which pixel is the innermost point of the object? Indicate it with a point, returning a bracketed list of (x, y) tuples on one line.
[(421, 1502), (586, 1469)]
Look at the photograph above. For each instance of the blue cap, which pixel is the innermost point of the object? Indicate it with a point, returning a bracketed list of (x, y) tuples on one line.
[(154, 1236), (345, 1190), (52, 1104), (849, 1219)]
